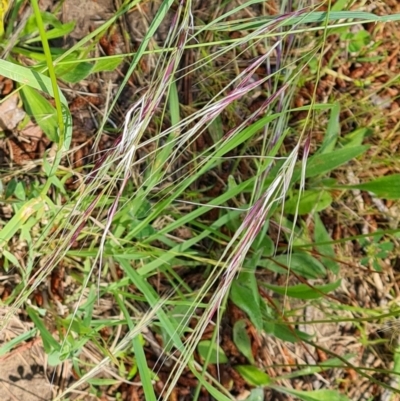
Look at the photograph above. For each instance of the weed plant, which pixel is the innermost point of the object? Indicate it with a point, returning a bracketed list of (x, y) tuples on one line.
[(141, 214)]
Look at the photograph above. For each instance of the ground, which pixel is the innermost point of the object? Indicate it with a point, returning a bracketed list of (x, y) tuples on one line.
[(368, 92)]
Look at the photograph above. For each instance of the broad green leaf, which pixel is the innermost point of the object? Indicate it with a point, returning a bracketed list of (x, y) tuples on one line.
[(10, 188), (146, 232), (107, 64), (301, 263), (339, 5), (303, 291), (54, 33), (248, 300), (387, 187), (234, 221), (215, 355), (10, 257), (216, 129), (19, 219), (54, 358), (357, 40), (356, 137), (257, 394), (324, 163), (310, 201), (48, 18), (396, 367), (242, 340), (58, 32), (247, 133), (20, 191), (263, 242), (74, 73), (332, 131), (327, 251), (253, 375), (30, 77), (43, 112), (31, 26)]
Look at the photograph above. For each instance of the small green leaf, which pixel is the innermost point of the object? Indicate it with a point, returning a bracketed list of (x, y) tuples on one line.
[(324, 163), (214, 356), (303, 291), (396, 367), (257, 394), (48, 19), (327, 251), (356, 137), (132, 371), (19, 191), (332, 130), (359, 40), (301, 263), (40, 108), (74, 73), (216, 129), (263, 242), (242, 340), (248, 300), (30, 33), (233, 222), (29, 76), (253, 376), (310, 201), (9, 256), (54, 358), (58, 32), (146, 232), (339, 5), (10, 189), (144, 210), (107, 64)]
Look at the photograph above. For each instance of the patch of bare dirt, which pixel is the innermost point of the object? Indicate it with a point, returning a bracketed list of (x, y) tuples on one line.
[(22, 370)]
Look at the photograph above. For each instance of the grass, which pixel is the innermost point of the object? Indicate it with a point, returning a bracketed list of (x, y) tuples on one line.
[(208, 221)]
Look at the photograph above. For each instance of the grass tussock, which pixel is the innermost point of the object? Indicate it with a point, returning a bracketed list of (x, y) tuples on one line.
[(225, 224)]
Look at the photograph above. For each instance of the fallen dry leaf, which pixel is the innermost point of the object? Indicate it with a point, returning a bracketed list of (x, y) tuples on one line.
[(10, 113)]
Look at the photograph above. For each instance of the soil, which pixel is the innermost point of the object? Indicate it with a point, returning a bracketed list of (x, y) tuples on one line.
[(22, 372), (23, 378)]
